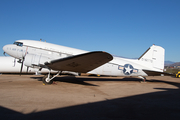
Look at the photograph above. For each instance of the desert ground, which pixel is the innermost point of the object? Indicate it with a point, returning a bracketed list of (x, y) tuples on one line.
[(89, 98)]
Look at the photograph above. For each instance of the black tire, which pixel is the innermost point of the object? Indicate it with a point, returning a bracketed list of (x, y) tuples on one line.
[(45, 82)]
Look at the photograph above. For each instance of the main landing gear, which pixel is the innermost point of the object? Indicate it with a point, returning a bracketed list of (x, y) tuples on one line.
[(48, 79), (143, 79)]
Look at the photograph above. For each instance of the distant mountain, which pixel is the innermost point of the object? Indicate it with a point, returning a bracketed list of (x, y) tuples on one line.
[(175, 64), (168, 63)]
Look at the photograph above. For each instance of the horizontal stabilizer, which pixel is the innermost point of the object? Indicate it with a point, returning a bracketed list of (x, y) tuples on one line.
[(156, 73)]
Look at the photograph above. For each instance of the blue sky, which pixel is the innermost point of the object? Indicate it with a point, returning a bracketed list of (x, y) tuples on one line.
[(121, 27)]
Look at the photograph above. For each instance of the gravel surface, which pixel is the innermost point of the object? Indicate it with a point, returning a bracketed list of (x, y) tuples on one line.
[(88, 97)]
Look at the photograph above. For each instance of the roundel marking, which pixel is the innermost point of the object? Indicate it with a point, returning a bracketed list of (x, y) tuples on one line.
[(128, 69)]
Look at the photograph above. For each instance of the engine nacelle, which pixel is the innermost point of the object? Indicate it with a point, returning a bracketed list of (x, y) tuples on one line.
[(32, 60)]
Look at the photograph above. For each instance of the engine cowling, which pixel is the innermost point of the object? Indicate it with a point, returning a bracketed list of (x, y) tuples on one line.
[(35, 60)]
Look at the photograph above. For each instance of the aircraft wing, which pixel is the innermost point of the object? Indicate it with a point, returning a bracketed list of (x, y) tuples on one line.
[(80, 63), (156, 73)]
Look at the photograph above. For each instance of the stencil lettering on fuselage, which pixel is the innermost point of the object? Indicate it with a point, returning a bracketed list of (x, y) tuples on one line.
[(127, 69)]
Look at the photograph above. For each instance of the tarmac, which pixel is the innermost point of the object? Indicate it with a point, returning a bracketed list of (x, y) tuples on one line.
[(89, 98)]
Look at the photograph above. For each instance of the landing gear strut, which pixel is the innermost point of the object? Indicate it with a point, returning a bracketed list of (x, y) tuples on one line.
[(143, 79), (48, 79)]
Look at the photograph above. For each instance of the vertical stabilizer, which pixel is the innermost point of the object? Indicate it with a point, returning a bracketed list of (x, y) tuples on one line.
[(153, 58)]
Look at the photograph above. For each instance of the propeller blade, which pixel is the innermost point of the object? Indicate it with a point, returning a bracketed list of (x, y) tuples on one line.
[(27, 69), (22, 66), (4, 54), (21, 69), (14, 62)]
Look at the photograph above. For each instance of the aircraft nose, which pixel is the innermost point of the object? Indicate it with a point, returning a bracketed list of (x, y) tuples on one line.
[(5, 48)]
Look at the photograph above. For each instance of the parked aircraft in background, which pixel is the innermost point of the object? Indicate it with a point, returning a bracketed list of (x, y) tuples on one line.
[(43, 55), (10, 65)]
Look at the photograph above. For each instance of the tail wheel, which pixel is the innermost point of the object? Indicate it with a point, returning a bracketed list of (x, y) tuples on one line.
[(47, 80)]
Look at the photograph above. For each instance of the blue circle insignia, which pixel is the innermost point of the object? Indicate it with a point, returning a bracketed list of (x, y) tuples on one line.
[(128, 69)]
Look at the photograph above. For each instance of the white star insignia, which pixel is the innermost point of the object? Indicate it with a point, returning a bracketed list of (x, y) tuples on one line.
[(128, 69)]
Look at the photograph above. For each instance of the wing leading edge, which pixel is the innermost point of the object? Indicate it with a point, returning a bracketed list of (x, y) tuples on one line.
[(80, 63)]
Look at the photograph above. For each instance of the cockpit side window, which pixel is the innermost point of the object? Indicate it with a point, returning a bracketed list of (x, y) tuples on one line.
[(18, 43)]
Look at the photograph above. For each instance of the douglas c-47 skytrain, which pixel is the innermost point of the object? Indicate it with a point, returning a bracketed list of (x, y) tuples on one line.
[(52, 57)]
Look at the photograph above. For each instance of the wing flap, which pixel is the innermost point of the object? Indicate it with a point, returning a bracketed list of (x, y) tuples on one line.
[(80, 63)]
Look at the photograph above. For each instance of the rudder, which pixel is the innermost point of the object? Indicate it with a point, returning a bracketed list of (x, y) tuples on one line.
[(154, 58)]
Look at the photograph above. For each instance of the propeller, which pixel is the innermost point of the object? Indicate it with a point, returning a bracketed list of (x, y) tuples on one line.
[(14, 62), (4, 53), (27, 69), (22, 63)]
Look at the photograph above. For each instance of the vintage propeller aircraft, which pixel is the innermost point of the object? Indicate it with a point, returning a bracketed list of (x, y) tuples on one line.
[(43, 55)]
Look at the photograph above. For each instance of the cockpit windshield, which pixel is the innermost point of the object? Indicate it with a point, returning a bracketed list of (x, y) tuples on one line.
[(18, 43)]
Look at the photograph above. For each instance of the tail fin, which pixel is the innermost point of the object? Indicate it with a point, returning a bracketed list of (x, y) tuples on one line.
[(153, 58)]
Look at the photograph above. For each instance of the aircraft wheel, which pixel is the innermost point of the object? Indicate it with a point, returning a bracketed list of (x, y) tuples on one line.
[(46, 81)]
